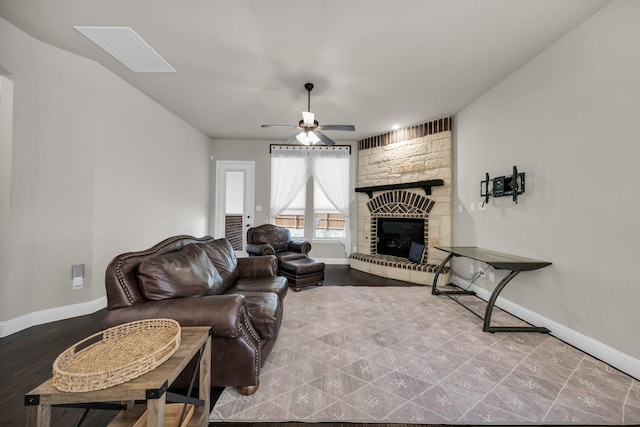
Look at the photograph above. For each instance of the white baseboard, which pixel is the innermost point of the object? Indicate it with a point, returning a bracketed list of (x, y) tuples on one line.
[(50, 315), (613, 357)]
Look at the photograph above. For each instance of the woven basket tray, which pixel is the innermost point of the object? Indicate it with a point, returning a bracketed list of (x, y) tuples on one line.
[(116, 355)]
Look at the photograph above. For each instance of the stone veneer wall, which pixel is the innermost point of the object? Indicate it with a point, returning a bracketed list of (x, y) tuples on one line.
[(412, 154)]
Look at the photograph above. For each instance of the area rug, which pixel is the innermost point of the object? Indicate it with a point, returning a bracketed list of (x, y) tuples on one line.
[(401, 355)]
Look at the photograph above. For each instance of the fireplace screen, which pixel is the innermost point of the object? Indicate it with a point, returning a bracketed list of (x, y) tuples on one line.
[(394, 235)]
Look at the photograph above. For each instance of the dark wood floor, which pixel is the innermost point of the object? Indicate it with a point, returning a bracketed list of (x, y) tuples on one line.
[(26, 358)]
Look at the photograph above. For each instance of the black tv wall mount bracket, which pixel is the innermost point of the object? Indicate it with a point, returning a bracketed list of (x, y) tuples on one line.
[(501, 186)]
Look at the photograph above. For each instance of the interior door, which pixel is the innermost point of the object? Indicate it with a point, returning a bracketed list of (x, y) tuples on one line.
[(235, 183)]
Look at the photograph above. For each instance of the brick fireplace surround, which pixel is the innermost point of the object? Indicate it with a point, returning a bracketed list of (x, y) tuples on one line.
[(414, 154)]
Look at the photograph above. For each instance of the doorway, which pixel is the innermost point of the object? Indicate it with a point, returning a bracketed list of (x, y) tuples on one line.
[(235, 183)]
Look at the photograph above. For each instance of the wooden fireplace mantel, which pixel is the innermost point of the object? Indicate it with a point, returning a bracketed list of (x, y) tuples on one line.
[(425, 185)]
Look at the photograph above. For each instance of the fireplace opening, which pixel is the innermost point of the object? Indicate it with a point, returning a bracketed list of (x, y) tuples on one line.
[(394, 235)]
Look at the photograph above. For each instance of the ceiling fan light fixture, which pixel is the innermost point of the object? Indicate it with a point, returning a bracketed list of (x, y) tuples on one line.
[(313, 138), (302, 138), (307, 138), (308, 118)]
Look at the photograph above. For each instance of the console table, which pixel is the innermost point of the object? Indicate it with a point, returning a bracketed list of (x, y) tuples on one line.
[(151, 388), (500, 261)]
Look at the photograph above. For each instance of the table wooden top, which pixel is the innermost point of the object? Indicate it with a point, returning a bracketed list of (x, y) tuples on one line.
[(192, 339)]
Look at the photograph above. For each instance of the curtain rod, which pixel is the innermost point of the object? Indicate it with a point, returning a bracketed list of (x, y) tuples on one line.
[(286, 147)]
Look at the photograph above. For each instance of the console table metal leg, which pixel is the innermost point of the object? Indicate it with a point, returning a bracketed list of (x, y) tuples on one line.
[(494, 297), (489, 310), (434, 287), (436, 291)]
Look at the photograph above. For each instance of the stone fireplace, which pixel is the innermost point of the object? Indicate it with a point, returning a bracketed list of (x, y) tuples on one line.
[(404, 185)]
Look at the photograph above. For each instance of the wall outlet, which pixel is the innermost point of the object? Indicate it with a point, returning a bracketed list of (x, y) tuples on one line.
[(472, 207), (471, 269), (492, 276), (484, 273), (482, 206)]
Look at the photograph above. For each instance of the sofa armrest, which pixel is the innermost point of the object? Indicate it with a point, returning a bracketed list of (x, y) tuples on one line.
[(258, 266), (258, 249), (224, 313), (301, 246)]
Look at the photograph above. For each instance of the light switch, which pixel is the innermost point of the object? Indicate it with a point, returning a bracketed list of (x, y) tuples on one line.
[(77, 270), (77, 276)]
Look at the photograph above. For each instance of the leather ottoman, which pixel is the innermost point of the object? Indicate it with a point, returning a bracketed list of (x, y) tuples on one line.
[(302, 272)]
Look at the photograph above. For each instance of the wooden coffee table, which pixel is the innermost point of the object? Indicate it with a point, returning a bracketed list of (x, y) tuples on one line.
[(150, 387)]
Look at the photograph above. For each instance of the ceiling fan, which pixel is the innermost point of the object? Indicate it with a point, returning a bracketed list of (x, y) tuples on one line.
[(310, 130)]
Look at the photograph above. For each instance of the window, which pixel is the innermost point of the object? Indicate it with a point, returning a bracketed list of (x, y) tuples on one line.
[(293, 216), (328, 223), (311, 183)]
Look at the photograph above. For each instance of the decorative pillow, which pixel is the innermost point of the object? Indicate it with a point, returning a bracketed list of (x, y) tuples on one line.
[(187, 272), (416, 252)]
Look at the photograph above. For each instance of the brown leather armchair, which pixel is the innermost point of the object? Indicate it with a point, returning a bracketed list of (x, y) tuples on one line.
[(292, 255), (269, 239)]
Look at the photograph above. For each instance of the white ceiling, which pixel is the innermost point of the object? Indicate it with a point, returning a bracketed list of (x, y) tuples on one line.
[(374, 63)]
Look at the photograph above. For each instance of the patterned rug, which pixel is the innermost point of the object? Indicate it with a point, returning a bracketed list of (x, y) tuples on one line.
[(401, 355)]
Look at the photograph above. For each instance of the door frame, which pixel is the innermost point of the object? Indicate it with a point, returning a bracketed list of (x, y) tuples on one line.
[(222, 167)]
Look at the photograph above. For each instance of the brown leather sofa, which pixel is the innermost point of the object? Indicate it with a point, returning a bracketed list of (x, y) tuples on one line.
[(200, 282), (293, 260)]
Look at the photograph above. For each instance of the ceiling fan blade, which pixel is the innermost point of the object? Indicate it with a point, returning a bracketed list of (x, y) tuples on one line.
[(308, 118), (324, 138), (338, 127), (279, 126), (291, 139)]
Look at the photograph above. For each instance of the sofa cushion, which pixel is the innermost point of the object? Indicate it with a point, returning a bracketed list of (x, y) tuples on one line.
[(275, 284), (223, 257), (288, 255), (187, 272)]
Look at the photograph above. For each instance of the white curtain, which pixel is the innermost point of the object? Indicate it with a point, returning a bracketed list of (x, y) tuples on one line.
[(330, 170), (289, 173)]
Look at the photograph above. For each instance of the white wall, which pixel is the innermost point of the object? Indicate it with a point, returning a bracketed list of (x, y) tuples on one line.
[(569, 120), (97, 169)]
